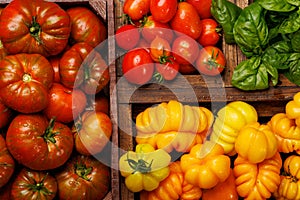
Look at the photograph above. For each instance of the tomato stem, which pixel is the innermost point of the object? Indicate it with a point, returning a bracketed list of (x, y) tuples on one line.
[(82, 171), (26, 78), (49, 133), (140, 165), (40, 187), (35, 30)]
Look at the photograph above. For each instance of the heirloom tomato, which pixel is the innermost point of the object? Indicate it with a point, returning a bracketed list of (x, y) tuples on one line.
[(185, 49), (136, 9), (211, 61), (83, 177), (167, 70), (86, 26), (256, 142), (40, 27), (210, 35), (33, 185), (92, 132), (160, 50), (202, 7), (292, 109), (7, 163), (138, 66), (54, 61), (127, 36), (65, 104), (163, 10), (174, 187), (5, 115), (38, 143), (144, 168), (173, 126), (289, 187), (224, 190), (205, 165), (25, 80), (151, 28), (229, 121), (286, 132), (257, 180), (186, 20), (83, 67)]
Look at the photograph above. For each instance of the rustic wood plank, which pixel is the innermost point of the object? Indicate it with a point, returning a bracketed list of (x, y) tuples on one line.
[(126, 141)]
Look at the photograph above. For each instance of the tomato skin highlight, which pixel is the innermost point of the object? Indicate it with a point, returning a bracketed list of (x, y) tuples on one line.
[(138, 66), (136, 9)]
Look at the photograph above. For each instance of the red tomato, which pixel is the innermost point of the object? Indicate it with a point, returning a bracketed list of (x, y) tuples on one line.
[(136, 9), (86, 26), (187, 69), (92, 132), (163, 10), (202, 7), (152, 28), (34, 27), (37, 143), (185, 49), (30, 184), (138, 66), (186, 20), (160, 49), (82, 66), (25, 80), (167, 71), (210, 34), (83, 177), (127, 36), (5, 115), (65, 104), (211, 61), (54, 61), (7, 163)]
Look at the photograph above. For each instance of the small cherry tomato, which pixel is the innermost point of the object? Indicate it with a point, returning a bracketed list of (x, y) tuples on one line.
[(163, 10), (138, 66), (211, 61), (202, 7), (185, 49), (127, 36), (160, 49), (210, 35), (167, 70), (136, 9)]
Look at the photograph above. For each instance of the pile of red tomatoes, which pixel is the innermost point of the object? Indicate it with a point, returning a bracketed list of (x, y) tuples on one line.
[(164, 38)]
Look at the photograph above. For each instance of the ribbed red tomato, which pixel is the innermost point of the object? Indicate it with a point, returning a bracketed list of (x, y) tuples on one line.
[(25, 80), (83, 177), (38, 143), (38, 26), (7, 163), (86, 26)]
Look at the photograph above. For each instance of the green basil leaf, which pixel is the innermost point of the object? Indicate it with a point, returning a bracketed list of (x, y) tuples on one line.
[(273, 72), (225, 13), (294, 2), (251, 30), (293, 74), (291, 24), (295, 41), (277, 5), (250, 74), (278, 55)]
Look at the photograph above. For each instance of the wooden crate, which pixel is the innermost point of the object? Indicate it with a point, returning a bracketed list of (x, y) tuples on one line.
[(104, 9), (133, 99)]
